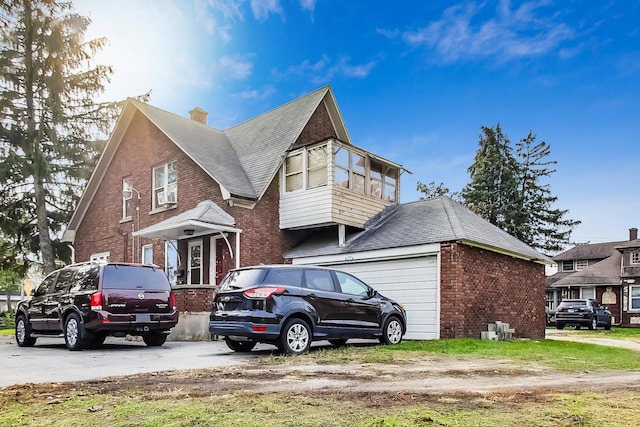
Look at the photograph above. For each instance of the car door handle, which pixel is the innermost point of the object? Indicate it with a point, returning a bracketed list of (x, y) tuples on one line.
[(312, 295)]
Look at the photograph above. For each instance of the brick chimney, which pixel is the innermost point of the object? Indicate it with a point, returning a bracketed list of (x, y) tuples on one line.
[(633, 233), (199, 115)]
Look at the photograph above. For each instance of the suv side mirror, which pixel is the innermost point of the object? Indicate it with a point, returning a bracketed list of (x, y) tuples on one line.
[(32, 292), (371, 293)]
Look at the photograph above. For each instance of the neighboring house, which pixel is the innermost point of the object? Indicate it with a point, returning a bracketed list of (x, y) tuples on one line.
[(198, 201), (607, 272)]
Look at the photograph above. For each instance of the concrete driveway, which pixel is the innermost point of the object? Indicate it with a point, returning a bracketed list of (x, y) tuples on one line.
[(50, 361), (575, 335)]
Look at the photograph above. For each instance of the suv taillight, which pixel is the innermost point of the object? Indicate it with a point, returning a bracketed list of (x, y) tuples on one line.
[(96, 301), (174, 302), (262, 293)]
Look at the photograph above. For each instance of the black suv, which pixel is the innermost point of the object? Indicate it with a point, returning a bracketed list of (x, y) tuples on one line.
[(291, 306), (582, 312), (88, 301)]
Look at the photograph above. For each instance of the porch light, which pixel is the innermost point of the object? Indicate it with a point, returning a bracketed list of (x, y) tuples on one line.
[(189, 231)]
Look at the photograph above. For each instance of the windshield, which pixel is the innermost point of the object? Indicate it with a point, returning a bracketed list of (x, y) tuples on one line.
[(240, 279), (134, 277)]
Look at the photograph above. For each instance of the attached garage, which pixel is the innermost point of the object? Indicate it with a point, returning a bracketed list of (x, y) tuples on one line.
[(452, 271)]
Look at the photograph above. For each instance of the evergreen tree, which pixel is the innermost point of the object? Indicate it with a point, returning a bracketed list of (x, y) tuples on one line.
[(543, 227), (493, 191), (48, 120)]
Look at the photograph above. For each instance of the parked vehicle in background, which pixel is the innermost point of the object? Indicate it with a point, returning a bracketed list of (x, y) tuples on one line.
[(290, 306), (86, 302), (582, 312)]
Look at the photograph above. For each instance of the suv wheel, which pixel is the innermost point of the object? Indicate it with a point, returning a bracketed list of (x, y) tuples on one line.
[(239, 346), (392, 331), (73, 332), (154, 339), (559, 325), (23, 333), (295, 337), (593, 324), (607, 326)]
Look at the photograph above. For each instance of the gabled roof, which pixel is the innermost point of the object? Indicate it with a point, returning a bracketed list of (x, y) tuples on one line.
[(261, 142), (243, 160), (588, 251), (208, 147), (631, 244), (605, 272), (428, 221)]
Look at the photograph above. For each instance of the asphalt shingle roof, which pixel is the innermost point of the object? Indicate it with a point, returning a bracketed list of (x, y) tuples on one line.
[(245, 158), (604, 272), (588, 251), (428, 221)]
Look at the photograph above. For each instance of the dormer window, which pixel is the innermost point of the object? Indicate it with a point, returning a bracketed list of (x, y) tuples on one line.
[(165, 185), (355, 169), (635, 257), (364, 174), (581, 264), (317, 166), (293, 172)]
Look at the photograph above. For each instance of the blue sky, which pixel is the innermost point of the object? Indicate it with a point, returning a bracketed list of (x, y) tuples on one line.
[(414, 80)]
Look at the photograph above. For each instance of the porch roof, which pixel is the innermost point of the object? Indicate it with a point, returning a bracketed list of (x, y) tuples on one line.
[(206, 218)]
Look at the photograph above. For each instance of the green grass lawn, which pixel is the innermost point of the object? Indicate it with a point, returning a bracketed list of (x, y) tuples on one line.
[(6, 331), (166, 406)]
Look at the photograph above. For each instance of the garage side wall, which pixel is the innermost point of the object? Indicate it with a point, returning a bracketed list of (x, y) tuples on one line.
[(479, 287)]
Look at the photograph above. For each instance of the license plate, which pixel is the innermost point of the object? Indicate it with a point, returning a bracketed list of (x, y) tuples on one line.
[(143, 318)]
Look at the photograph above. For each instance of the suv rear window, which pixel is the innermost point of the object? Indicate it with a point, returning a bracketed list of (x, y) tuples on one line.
[(240, 279), (134, 277)]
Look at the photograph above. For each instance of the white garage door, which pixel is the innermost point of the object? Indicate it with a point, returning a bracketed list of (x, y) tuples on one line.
[(412, 282)]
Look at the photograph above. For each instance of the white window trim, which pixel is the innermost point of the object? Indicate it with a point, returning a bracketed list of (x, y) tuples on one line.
[(635, 253), (174, 244), (100, 256), (582, 289), (573, 267), (144, 247), (165, 186), (635, 310), (126, 189), (302, 171), (580, 267)]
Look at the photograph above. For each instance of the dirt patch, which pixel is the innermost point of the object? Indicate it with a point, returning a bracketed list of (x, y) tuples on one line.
[(410, 383)]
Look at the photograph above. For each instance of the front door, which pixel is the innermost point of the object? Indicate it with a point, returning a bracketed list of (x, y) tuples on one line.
[(216, 263), (194, 263)]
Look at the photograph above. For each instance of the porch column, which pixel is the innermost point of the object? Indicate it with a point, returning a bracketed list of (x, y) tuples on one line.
[(237, 249)]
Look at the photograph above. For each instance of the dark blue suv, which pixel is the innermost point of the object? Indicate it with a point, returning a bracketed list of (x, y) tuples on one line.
[(290, 306)]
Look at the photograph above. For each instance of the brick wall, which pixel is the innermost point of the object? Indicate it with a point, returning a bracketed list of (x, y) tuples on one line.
[(479, 287), (318, 128), (194, 298)]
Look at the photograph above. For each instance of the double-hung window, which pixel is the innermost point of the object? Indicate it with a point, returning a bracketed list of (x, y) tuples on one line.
[(127, 198), (581, 264), (165, 185), (635, 257), (317, 166), (293, 172), (567, 265), (634, 297)]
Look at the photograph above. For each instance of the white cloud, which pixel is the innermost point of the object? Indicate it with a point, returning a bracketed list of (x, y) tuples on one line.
[(262, 9), (509, 34), (256, 94), (324, 70), (309, 5)]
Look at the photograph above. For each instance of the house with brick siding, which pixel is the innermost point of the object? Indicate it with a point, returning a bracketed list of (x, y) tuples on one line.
[(198, 201), (608, 272)]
